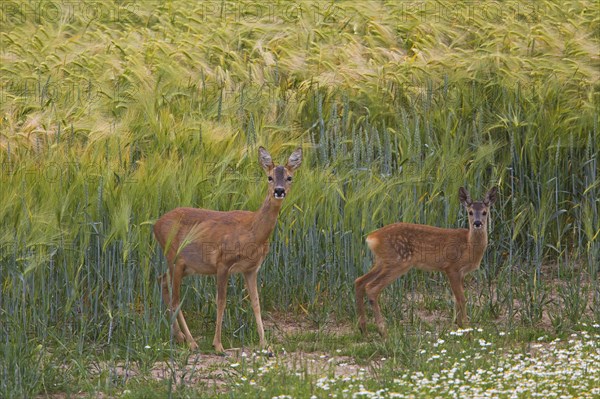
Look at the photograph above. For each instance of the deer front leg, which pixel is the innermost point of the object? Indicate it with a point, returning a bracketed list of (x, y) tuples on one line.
[(457, 284), (251, 281), (222, 278)]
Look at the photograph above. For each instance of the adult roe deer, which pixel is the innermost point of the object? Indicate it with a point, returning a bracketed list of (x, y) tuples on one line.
[(201, 241), (399, 247)]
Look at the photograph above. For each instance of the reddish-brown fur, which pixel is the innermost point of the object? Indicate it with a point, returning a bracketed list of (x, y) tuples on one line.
[(201, 241), (399, 247)]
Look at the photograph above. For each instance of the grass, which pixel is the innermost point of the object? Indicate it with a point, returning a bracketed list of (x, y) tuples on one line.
[(477, 362), (117, 113), (472, 363)]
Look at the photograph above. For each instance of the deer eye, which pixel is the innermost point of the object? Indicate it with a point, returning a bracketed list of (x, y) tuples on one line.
[(270, 178), (471, 213), (289, 178), (484, 213)]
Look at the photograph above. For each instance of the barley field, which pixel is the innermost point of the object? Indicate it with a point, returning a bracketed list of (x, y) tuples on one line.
[(113, 113)]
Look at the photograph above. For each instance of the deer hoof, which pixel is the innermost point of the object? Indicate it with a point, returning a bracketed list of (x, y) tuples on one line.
[(362, 327), (268, 351), (219, 348)]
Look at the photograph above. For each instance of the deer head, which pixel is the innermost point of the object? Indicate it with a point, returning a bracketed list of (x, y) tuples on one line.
[(478, 210), (279, 177)]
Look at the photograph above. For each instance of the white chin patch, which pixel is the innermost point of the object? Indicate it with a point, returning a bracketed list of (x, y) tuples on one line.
[(280, 197)]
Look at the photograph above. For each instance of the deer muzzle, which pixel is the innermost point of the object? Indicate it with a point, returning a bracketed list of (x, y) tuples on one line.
[(279, 192)]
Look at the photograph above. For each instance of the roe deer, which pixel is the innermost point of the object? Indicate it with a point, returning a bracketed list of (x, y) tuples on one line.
[(201, 241), (401, 246)]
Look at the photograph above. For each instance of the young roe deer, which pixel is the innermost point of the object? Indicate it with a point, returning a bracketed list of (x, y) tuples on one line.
[(399, 247), (201, 241)]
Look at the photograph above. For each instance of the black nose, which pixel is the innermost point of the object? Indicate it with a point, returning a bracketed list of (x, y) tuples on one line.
[(279, 192), (477, 223)]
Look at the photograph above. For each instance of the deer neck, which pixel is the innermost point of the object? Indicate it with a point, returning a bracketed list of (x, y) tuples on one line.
[(478, 241), (265, 218)]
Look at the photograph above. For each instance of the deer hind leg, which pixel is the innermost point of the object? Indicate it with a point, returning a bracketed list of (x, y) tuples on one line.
[(179, 327), (167, 296), (460, 302), (359, 286), (374, 287), (222, 279)]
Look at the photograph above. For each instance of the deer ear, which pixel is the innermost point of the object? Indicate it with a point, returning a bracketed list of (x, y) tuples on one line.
[(264, 158), (464, 197), (491, 196), (295, 160)]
